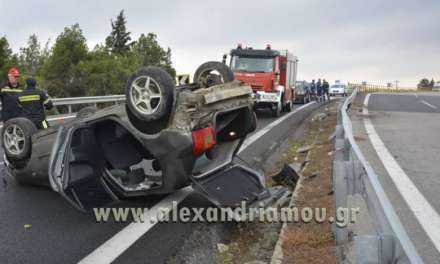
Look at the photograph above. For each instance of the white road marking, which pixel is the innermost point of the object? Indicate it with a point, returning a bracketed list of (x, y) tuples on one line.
[(428, 104), (270, 126), (121, 241), (425, 214)]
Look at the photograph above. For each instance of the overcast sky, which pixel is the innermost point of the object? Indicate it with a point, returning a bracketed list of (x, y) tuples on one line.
[(375, 40)]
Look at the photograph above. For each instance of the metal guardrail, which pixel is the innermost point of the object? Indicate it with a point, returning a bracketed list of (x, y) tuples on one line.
[(376, 88), (69, 101), (86, 100), (352, 175)]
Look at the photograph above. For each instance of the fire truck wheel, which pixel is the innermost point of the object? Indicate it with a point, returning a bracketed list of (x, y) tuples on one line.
[(213, 72), (289, 107), (276, 112), (16, 137), (149, 94)]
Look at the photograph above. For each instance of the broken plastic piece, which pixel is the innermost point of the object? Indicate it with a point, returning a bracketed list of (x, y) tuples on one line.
[(288, 176), (305, 149)]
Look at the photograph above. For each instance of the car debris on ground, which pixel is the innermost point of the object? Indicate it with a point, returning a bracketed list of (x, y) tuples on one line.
[(305, 149)]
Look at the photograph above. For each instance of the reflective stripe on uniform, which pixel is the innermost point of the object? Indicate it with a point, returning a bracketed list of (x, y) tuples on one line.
[(45, 124), (47, 101), (27, 98), (11, 90)]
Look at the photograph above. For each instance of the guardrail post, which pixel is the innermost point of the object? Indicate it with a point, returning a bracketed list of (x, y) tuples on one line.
[(340, 184), (340, 197), (69, 109), (376, 249), (347, 149), (355, 172)]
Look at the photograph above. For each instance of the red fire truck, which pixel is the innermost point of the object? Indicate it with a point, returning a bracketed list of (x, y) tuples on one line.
[(270, 73)]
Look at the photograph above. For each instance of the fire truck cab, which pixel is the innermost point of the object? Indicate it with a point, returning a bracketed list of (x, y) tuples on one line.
[(270, 73)]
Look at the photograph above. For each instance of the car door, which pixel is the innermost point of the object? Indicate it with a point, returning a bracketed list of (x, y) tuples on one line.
[(77, 175), (235, 185), (231, 185)]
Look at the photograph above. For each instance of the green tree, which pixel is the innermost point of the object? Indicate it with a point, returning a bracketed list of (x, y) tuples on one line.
[(5, 52), (423, 84), (7, 59), (119, 38), (106, 73), (60, 75), (32, 57), (103, 73), (148, 52)]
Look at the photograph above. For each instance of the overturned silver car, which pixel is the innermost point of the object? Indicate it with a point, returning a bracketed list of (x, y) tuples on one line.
[(162, 139)]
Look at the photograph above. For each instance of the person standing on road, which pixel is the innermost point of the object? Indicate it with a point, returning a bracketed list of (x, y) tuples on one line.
[(319, 90), (8, 96), (313, 88), (325, 87), (33, 102)]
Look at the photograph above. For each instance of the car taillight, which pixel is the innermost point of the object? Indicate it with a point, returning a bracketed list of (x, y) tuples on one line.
[(203, 140)]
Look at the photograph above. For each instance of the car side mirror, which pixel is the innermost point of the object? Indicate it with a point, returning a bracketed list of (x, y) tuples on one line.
[(225, 56)]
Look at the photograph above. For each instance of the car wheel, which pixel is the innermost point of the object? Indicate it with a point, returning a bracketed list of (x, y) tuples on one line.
[(213, 72), (16, 138), (86, 111), (149, 94)]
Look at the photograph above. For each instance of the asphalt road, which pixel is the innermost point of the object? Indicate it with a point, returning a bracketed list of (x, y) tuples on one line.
[(38, 226), (409, 126)]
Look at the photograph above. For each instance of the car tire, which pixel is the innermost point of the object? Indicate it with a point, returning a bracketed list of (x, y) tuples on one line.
[(86, 111), (213, 72), (16, 137), (150, 103)]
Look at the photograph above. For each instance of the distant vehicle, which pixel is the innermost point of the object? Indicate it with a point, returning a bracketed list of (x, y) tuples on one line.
[(270, 73), (302, 93), (339, 88), (436, 87)]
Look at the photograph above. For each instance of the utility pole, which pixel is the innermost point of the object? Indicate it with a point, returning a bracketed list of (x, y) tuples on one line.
[(396, 85)]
